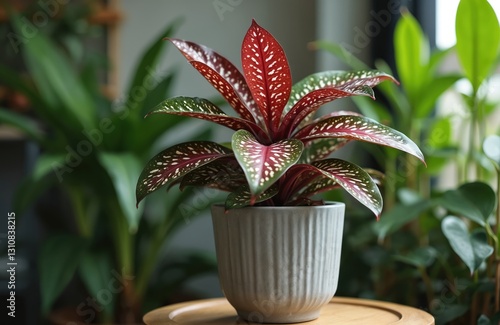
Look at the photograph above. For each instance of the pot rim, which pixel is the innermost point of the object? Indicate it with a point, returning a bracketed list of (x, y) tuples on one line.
[(328, 204)]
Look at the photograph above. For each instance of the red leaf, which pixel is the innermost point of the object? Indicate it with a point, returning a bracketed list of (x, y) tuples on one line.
[(354, 180), (349, 176), (223, 75), (312, 101), (267, 73), (176, 162)]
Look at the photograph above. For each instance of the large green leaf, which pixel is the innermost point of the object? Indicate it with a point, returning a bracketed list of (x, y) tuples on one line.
[(95, 269), (401, 214), (475, 201), (472, 248), (263, 165), (420, 257), (145, 75), (175, 162), (478, 37), (59, 257), (431, 92), (124, 170), (411, 51), (57, 80)]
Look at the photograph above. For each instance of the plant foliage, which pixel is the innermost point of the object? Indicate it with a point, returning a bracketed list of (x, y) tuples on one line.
[(280, 148)]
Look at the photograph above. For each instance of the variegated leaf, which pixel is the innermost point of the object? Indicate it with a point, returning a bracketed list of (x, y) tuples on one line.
[(308, 127), (322, 184), (320, 149), (224, 174), (354, 180), (267, 73), (312, 101), (294, 180), (176, 162), (242, 197), (263, 165), (362, 129), (203, 109), (343, 80), (223, 75)]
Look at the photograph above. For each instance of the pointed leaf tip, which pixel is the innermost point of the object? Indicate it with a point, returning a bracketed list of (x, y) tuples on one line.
[(264, 165), (267, 74)]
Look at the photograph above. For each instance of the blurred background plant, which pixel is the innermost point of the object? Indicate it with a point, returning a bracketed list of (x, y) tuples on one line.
[(439, 241), (98, 246)]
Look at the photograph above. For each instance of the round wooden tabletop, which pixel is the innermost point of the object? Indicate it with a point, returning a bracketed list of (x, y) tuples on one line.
[(345, 311)]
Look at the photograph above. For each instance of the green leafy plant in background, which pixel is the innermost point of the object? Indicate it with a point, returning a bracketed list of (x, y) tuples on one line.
[(93, 151), (441, 246)]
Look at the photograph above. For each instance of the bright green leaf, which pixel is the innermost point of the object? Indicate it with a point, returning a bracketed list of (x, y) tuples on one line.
[(432, 91), (478, 37), (124, 170), (411, 51)]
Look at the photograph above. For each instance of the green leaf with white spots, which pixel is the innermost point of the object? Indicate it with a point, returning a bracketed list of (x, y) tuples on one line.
[(204, 109), (362, 129), (355, 180), (242, 197), (263, 165), (176, 162)]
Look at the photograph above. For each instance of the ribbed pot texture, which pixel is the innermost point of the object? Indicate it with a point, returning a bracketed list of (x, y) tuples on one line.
[(279, 264)]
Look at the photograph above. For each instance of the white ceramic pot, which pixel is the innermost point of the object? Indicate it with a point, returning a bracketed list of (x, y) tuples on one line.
[(279, 264)]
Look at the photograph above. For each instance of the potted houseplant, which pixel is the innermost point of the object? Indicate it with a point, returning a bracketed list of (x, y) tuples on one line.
[(278, 248)]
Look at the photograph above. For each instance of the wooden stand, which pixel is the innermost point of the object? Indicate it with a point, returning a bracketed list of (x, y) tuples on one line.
[(345, 311)]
